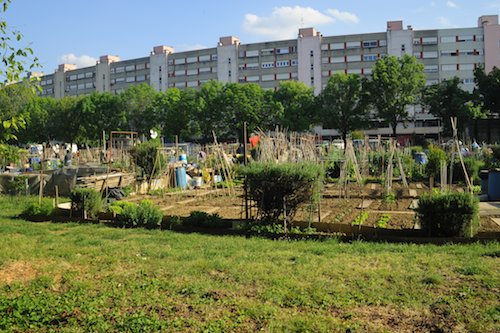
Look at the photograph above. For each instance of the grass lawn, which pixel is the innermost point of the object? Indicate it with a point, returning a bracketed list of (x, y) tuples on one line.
[(76, 278)]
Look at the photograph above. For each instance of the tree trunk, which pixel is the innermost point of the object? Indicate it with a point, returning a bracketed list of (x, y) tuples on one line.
[(344, 138), (394, 126)]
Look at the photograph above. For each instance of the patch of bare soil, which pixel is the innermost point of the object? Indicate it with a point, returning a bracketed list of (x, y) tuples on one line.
[(487, 224), (376, 318), (17, 271)]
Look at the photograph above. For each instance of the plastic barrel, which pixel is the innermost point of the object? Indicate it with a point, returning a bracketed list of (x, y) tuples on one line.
[(197, 182), (494, 185), (483, 174), (180, 178)]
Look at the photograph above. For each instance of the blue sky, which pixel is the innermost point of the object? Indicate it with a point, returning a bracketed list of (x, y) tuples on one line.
[(80, 31)]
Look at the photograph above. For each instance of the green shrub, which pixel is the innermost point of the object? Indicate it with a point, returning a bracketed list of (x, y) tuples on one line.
[(86, 200), (145, 155), (17, 185), (146, 214), (267, 228), (377, 162), (416, 149), (383, 221), (149, 215), (34, 208), (204, 220), (434, 158), (448, 214), (282, 188), (118, 206), (472, 165), (128, 217), (360, 219)]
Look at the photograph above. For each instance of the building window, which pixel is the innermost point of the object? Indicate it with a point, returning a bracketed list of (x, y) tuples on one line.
[(370, 43), (448, 39), (370, 57), (403, 48)]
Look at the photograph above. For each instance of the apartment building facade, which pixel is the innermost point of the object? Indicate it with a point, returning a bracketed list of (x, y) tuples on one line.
[(311, 58)]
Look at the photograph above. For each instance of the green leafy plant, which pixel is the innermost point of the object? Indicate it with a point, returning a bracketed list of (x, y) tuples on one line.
[(383, 221), (360, 219), (435, 157), (279, 189), (472, 165), (145, 214), (145, 156), (389, 198), (17, 185), (204, 220), (86, 200), (37, 209), (117, 207), (448, 214)]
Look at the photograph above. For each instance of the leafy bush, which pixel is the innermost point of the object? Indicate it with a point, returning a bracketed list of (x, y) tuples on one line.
[(360, 219), (377, 162), (117, 207), (383, 221), (86, 200), (149, 215), (204, 220), (16, 185), (448, 214), (282, 188), (434, 158), (269, 227), (146, 214), (34, 208), (492, 157), (145, 155), (472, 165), (266, 228)]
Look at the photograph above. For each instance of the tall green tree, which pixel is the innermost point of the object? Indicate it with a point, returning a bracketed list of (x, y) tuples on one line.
[(64, 122), (14, 100), (37, 117), (211, 114), (344, 103), (96, 113), (297, 99), (175, 109), (16, 61), (446, 99), (396, 84), (138, 103), (487, 91)]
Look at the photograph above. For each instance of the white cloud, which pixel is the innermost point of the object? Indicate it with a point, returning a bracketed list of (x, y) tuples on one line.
[(284, 22), (345, 17), (79, 61), (451, 4), (188, 47)]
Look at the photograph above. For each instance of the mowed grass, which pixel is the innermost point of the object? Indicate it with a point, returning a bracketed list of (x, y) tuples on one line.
[(80, 278)]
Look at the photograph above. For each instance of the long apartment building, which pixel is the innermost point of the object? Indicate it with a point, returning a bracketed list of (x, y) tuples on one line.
[(311, 58)]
